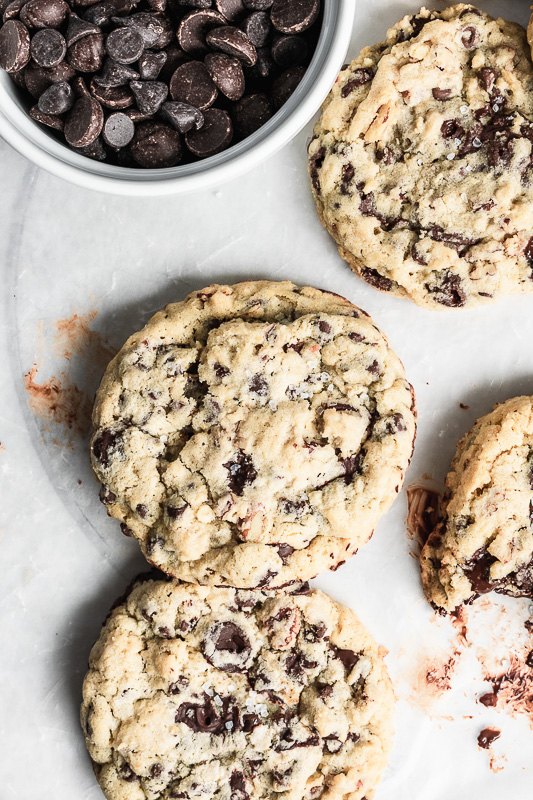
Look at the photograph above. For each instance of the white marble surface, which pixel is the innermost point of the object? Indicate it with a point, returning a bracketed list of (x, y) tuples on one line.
[(112, 261)]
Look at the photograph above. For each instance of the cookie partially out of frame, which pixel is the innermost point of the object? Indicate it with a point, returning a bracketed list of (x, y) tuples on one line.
[(253, 435), (198, 692), (484, 540), (421, 163)]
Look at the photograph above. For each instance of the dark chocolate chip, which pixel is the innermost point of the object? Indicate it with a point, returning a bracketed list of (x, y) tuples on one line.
[(125, 45), (44, 13), (358, 78), (114, 74), (49, 120), (149, 95), (470, 37), (182, 116), (284, 86), (290, 51), (87, 54), (151, 63), (14, 46), (448, 291), (285, 551), (258, 5), (441, 94), (250, 114), (118, 132), (227, 74), (348, 657), (116, 98), (57, 99), (196, 3), (191, 83), (487, 78), (78, 28), (487, 737), (154, 29), (233, 42), (294, 16), (257, 28), (48, 48), (214, 136), (38, 79), (232, 10), (373, 277), (194, 27), (156, 145), (241, 472), (101, 14), (83, 125)]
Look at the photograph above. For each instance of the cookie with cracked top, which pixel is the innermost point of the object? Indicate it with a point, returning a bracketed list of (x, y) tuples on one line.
[(421, 164), (253, 435), (484, 539), (195, 691)]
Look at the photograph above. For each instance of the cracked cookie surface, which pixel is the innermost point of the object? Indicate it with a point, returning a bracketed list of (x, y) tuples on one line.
[(421, 164), (484, 540), (198, 692), (253, 435)]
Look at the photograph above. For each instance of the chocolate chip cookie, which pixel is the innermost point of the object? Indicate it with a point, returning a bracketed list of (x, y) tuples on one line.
[(253, 435), (214, 693), (484, 540), (421, 163)]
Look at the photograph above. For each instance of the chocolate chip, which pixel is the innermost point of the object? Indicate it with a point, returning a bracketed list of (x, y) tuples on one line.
[(294, 16), (14, 46), (470, 37), (241, 472), (116, 98), (101, 14), (196, 3), (44, 13), (528, 252), (156, 145), (487, 78), (193, 29), (114, 74), (82, 127), (150, 95), (487, 737), (48, 48), (38, 79), (448, 291), (226, 647), (286, 85), (214, 136), (375, 278), (57, 99), (125, 45), (182, 116), (297, 663), (78, 28), (290, 51), (441, 94), (150, 64), (233, 42), (11, 10), (154, 29), (348, 657), (258, 5), (285, 551), (49, 120), (87, 54), (227, 74), (477, 570), (358, 78), (118, 132), (232, 10), (191, 83), (107, 497), (452, 129), (250, 114), (257, 28)]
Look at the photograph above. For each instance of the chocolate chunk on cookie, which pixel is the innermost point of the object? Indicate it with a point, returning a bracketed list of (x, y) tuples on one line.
[(251, 425), (194, 691), (484, 539), (422, 162)]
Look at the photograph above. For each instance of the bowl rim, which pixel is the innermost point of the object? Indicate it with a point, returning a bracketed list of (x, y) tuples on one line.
[(35, 143)]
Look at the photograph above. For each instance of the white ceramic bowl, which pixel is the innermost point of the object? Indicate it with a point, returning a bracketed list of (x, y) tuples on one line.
[(34, 142)]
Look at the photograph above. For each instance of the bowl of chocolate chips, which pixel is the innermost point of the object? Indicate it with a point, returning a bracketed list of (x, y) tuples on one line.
[(145, 97)]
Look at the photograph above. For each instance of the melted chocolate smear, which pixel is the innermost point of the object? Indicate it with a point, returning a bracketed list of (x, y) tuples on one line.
[(206, 718), (487, 737), (516, 584)]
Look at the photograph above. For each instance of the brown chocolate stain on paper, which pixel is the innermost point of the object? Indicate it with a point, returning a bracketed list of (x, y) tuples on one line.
[(63, 399), (512, 688)]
